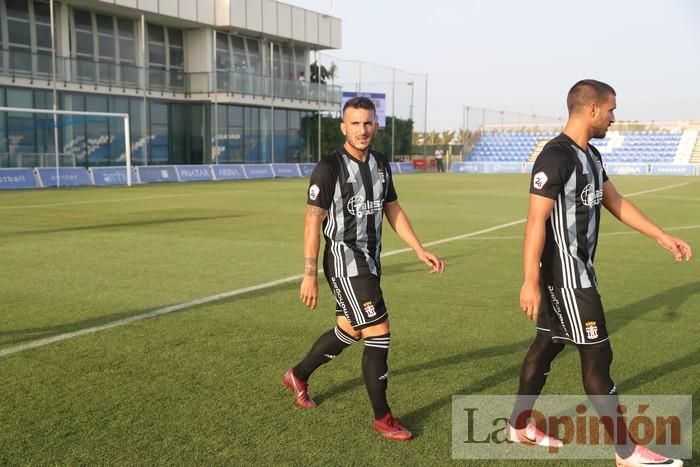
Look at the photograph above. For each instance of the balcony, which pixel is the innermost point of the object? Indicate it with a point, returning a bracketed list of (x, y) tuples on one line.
[(15, 64)]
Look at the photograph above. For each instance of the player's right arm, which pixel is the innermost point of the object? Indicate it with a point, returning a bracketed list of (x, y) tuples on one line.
[(550, 172), (535, 232), (318, 202), (312, 242)]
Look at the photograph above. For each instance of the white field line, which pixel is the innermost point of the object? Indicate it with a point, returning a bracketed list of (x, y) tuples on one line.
[(201, 301), (213, 298)]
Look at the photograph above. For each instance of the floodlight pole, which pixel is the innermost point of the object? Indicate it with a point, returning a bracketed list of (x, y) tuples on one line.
[(272, 100), (425, 123), (393, 111), (127, 137), (55, 104)]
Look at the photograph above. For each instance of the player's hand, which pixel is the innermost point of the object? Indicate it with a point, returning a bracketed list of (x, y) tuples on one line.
[(530, 299), (435, 263), (309, 291), (676, 246)]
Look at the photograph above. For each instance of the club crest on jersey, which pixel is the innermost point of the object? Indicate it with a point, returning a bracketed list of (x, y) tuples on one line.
[(539, 180), (314, 190), (590, 196), (591, 329), (369, 309), (357, 206), (381, 175)]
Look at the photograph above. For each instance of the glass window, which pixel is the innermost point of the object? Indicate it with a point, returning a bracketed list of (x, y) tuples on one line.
[(251, 134), (83, 20), (223, 60), (42, 12), (158, 153), (239, 55), (254, 53), (43, 36), (287, 70), (159, 113), (105, 46), (17, 9), (177, 59), (156, 55), (174, 37), (235, 116), (126, 28), (18, 32), (126, 50), (105, 24), (83, 43), (155, 33)]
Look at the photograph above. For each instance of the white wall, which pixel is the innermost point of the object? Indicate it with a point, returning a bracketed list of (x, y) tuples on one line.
[(267, 17)]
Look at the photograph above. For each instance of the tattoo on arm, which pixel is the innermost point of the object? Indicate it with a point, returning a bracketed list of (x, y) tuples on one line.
[(310, 267), (316, 211)]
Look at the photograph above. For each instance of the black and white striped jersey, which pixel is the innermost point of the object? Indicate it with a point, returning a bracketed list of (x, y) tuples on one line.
[(354, 193), (574, 179)]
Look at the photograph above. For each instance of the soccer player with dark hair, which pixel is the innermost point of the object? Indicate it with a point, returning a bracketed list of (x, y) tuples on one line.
[(568, 187), (349, 193)]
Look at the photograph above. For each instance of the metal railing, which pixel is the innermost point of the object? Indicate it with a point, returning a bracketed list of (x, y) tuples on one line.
[(76, 70)]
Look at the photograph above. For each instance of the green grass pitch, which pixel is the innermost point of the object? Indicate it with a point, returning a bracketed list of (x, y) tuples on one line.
[(201, 386)]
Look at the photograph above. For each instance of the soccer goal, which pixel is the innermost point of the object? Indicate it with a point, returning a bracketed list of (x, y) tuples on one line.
[(64, 138)]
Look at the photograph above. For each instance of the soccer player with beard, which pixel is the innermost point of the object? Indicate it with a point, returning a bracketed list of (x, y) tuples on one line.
[(349, 193), (568, 187)]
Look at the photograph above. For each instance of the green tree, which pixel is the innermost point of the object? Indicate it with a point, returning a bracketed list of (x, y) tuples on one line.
[(332, 137)]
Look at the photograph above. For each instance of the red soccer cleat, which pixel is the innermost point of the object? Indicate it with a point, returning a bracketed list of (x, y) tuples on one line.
[(391, 428), (644, 457), (300, 389)]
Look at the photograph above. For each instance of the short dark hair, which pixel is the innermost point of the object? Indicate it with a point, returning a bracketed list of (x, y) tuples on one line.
[(360, 103), (585, 92)]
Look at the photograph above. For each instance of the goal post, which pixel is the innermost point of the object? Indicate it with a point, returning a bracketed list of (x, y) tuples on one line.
[(53, 125)]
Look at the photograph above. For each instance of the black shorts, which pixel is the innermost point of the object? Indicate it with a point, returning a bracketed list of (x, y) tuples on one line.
[(359, 299), (572, 316)]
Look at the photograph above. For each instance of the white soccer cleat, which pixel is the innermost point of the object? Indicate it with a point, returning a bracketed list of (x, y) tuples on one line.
[(643, 457), (532, 436)]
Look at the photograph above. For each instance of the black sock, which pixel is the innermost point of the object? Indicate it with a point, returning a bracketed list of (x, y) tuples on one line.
[(326, 348), (533, 375), (376, 372), (601, 391)]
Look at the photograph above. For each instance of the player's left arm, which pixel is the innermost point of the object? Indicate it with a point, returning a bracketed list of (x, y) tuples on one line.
[(627, 213), (402, 226)]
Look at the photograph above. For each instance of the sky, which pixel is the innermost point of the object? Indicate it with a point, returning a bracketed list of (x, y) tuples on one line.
[(518, 55)]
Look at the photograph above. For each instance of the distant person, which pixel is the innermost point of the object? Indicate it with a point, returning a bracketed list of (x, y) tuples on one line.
[(439, 156), (560, 290), (349, 192)]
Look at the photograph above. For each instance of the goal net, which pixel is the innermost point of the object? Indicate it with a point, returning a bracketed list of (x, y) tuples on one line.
[(39, 138)]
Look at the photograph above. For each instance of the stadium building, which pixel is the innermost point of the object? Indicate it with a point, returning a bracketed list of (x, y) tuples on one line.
[(203, 81)]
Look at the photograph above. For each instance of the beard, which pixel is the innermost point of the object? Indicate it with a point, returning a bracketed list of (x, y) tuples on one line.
[(600, 131)]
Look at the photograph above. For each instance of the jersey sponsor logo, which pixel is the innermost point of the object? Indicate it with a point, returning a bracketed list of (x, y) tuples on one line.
[(590, 196), (591, 330), (314, 190), (369, 309), (357, 206), (539, 180)]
